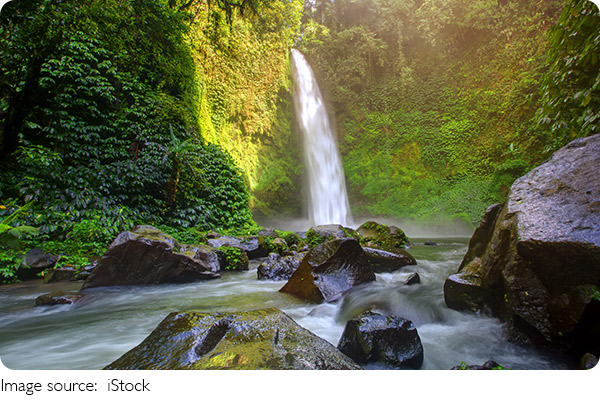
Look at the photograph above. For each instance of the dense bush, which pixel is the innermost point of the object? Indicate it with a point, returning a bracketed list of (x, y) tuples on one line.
[(97, 115)]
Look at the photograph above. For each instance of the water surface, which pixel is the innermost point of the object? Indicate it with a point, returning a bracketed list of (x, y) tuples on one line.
[(110, 321)]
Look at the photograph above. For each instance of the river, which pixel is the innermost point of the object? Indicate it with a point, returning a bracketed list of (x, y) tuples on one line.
[(109, 321)]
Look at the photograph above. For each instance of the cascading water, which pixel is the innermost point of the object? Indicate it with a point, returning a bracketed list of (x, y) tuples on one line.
[(328, 201), (110, 321)]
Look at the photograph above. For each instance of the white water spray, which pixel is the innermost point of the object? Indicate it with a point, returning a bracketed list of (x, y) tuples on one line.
[(328, 201)]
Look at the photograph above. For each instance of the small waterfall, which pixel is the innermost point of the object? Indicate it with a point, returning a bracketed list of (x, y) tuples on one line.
[(328, 201)]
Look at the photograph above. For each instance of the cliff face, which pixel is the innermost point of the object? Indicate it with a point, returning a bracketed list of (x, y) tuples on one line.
[(535, 260)]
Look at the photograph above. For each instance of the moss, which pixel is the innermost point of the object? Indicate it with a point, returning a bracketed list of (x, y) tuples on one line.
[(291, 238), (313, 238), (235, 259), (381, 235)]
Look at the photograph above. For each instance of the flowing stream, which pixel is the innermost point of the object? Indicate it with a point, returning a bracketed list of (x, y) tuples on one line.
[(109, 321), (328, 201)]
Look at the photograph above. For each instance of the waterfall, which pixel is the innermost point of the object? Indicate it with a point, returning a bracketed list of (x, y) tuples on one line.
[(328, 201)]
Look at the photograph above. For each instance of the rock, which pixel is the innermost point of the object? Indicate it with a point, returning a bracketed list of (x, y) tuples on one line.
[(328, 270), (205, 254), (147, 256), (413, 279), (55, 298), (374, 234), (86, 271), (322, 233), (278, 245), (372, 337), (35, 262), (430, 243), (260, 339), (279, 268), (60, 275), (268, 232), (588, 361), (253, 246), (488, 365), (534, 262), (232, 258), (388, 260)]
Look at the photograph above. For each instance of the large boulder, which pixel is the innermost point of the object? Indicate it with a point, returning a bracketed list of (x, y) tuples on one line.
[(279, 268), (328, 270), (376, 338), (260, 339), (148, 256), (388, 259), (535, 261)]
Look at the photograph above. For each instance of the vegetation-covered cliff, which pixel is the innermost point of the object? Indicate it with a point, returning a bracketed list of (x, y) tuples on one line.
[(441, 104), (179, 112)]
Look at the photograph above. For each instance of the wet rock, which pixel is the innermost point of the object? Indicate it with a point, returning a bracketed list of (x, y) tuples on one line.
[(388, 260), (279, 246), (36, 261), (322, 233), (60, 275), (260, 339), (430, 243), (56, 298), (268, 232), (147, 256), (253, 246), (85, 272), (488, 365), (374, 234), (372, 337), (413, 279), (534, 262), (205, 254), (279, 268), (588, 361), (328, 270)]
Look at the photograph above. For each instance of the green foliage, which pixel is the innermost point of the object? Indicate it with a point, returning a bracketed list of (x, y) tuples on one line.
[(13, 236), (102, 116), (235, 259), (506, 173), (571, 89), (595, 295), (10, 260), (291, 238), (189, 235), (435, 101), (245, 101), (313, 238)]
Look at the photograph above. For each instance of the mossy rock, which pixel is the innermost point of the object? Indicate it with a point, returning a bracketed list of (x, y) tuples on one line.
[(252, 340), (322, 233), (57, 298), (233, 258), (375, 234), (253, 246), (146, 255)]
